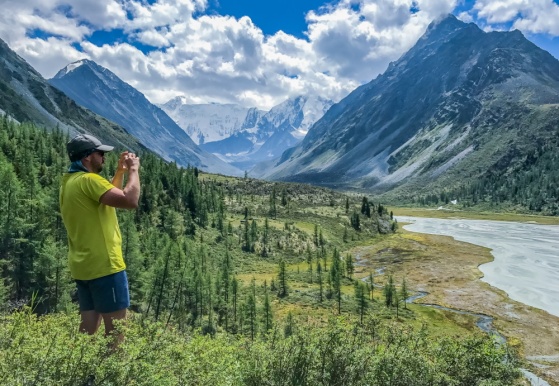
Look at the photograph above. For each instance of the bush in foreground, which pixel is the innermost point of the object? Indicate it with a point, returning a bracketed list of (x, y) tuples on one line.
[(48, 350)]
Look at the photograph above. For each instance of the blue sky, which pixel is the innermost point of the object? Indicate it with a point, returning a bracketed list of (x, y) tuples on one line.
[(270, 16), (254, 53)]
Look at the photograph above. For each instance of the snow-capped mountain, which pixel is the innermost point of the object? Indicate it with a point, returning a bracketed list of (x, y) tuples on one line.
[(101, 91), (27, 97), (209, 122), (246, 136)]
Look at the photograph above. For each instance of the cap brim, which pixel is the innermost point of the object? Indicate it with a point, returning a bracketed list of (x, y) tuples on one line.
[(105, 148)]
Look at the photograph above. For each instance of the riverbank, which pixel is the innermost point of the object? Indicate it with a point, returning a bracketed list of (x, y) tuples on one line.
[(451, 212), (448, 270)]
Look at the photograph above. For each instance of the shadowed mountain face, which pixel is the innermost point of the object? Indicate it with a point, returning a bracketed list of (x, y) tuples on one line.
[(450, 108), (101, 91), (26, 96)]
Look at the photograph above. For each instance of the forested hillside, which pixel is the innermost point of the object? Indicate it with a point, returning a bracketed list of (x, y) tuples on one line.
[(523, 176), (208, 257), (190, 236)]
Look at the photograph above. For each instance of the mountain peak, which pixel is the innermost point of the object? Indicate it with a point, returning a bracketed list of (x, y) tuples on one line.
[(444, 27), (447, 22), (72, 66)]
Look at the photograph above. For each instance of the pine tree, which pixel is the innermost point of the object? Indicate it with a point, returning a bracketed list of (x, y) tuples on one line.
[(273, 210), (283, 197), (320, 282), (282, 280), (349, 265), (389, 291), (404, 292), (361, 299), (336, 278), (289, 328), (372, 286), (267, 314), (234, 293)]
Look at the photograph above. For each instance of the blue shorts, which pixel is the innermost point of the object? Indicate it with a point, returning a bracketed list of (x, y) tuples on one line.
[(105, 294)]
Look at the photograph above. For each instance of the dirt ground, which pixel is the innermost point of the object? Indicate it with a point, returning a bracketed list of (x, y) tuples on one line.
[(448, 271)]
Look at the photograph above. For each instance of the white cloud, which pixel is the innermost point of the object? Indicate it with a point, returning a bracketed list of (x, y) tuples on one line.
[(213, 58), (359, 44), (531, 16)]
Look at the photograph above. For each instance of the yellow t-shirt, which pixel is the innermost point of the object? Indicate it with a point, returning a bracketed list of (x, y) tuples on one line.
[(94, 241)]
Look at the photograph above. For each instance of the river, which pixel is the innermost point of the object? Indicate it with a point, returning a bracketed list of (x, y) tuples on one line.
[(526, 256)]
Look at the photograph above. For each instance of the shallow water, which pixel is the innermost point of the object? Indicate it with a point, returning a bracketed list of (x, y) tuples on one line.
[(526, 256)]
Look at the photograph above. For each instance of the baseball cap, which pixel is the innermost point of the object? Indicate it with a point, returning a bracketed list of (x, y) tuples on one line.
[(84, 144)]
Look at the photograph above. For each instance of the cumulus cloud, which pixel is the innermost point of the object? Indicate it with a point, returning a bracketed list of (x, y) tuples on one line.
[(219, 58), (531, 16)]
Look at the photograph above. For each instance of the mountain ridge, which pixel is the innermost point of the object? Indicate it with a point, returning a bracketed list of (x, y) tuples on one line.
[(26, 96), (101, 91), (418, 115)]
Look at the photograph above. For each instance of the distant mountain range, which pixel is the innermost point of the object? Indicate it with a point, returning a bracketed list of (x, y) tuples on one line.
[(463, 114), (101, 91), (210, 122), (246, 136), (460, 106)]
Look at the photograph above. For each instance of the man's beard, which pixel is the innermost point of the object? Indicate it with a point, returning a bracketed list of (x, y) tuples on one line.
[(99, 168)]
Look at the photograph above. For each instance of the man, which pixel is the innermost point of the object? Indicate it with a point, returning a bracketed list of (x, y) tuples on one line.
[(87, 203)]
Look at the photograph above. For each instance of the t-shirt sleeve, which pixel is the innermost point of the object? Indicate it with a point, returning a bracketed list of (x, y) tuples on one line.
[(94, 186)]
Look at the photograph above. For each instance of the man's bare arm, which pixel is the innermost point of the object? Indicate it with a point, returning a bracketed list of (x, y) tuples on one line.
[(128, 197), (120, 170)]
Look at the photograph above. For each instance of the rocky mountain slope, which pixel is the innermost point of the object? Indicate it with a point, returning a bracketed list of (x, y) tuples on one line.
[(460, 106), (101, 91), (26, 96)]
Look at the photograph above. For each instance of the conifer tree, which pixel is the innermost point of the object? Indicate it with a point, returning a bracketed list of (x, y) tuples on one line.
[(289, 328), (273, 210), (389, 291), (372, 286), (283, 197), (234, 293), (267, 314), (404, 292), (282, 280), (336, 278), (361, 299), (319, 280), (349, 265)]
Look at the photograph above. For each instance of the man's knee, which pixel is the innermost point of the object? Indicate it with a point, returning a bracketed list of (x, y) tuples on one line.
[(90, 321), (110, 317)]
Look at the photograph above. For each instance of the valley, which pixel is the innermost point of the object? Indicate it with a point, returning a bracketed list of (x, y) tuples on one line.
[(297, 273), (448, 270), (240, 257)]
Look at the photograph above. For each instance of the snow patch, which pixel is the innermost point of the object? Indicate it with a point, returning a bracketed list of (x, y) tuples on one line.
[(70, 67)]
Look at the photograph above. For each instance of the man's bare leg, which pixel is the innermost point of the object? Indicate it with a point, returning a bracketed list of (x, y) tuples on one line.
[(91, 320), (109, 319)]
